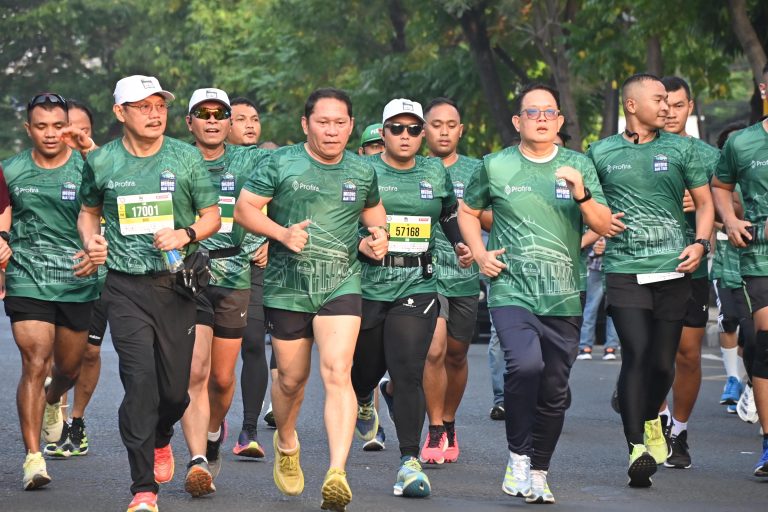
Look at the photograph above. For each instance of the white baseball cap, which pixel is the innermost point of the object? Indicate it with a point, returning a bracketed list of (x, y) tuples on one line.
[(208, 94), (137, 87), (402, 106)]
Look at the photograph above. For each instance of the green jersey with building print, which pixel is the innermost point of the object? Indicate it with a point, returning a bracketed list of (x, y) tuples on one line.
[(452, 280), (708, 157), (331, 196), (539, 225), (413, 199), (228, 174), (647, 183), (43, 233), (141, 195), (744, 161)]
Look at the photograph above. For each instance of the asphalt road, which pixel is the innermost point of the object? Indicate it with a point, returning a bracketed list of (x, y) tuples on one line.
[(588, 471)]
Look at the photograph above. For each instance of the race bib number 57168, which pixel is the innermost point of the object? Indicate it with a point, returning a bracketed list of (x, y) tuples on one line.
[(409, 234), (145, 214)]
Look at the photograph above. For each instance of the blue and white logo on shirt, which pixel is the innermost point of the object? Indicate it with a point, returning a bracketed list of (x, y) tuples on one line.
[(561, 189), (227, 183), (425, 190), (348, 192), (660, 163), (458, 189), (68, 191), (167, 181)]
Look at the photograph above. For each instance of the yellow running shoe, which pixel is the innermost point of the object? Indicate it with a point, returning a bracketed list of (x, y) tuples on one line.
[(35, 474), (336, 492), (641, 467), (287, 470), (655, 442)]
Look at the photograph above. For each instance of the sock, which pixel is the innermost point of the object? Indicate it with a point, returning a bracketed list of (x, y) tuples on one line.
[(200, 457), (678, 426), (214, 436), (741, 372), (450, 427), (765, 441), (730, 361), (667, 416)]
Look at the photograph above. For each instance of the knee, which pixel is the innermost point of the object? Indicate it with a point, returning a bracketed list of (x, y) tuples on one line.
[(92, 356), (198, 377), (456, 358), (336, 373), (688, 359), (221, 381), (524, 369), (436, 355), (290, 384)]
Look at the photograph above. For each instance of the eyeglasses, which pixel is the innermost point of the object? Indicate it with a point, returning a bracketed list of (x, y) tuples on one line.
[(413, 129), (217, 113), (47, 97), (146, 108), (550, 114)]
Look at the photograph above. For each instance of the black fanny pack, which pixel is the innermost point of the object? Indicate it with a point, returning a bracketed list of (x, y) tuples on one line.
[(196, 274), (423, 260), (224, 253)]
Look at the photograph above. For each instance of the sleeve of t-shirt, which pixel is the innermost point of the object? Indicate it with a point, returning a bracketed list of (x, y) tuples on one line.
[(201, 191), (726, 170), (5, 198), (263, 180), (448, 194), (477, 192), (90, 193), (589, 176), (373, 197), (695, 170)]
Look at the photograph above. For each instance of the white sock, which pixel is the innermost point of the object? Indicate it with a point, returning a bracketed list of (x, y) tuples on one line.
[(666, 413), (731, 361), (200, 457), (742, 372), (214, 436), (678, 426)]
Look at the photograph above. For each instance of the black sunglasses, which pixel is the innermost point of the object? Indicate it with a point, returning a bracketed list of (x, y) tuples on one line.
[(218, 113), (414, 130), (47, 97)]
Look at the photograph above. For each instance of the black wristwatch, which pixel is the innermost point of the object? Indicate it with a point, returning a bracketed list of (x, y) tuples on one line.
[(587, 196), (705, 243), (5, 236), (191, 234)]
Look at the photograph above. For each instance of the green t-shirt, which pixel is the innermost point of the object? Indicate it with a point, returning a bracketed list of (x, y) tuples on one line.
[(744, 161), (332, 198), (647, 183), (725, 262), (708, 156), (452, 280), (539, 224), (43, 233), (140, 195), (228, 174)]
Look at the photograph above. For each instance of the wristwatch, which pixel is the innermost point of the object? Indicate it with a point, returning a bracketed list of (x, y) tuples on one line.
[(5, 236), (190, 233), (705, 243), (587, 196)]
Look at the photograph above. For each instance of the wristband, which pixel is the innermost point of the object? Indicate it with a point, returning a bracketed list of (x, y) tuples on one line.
[(587, 196), (191, 234)]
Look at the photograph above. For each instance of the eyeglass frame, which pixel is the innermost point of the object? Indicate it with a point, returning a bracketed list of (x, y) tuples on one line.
[(556, 113), (400, 128), (160, 107)]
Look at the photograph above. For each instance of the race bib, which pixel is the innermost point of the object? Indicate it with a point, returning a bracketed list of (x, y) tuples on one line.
[(145, 214), (409, 234), (658, 277), (227, 211)]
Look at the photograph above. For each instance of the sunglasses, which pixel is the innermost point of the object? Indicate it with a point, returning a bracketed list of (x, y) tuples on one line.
[(47, 97), (414, 130), (218, 113), (550, 114)]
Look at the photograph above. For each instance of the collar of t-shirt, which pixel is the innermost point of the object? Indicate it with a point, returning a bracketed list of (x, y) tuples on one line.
[(544, 159)]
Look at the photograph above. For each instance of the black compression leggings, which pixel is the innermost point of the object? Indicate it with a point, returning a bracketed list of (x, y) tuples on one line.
[(254, 375), (648, 348)]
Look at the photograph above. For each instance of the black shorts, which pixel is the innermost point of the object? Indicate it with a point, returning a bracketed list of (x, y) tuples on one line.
[(757, 291), (423, 305), (225, 310), (72, 315), (460, 314), (295, 325), (732, 307), (667, 299), (98, 326), (697, 313)]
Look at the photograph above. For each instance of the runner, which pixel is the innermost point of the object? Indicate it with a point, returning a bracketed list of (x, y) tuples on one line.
[(246, 125), (644, 172), (50, 309), (399, 293), (316, 192), (149, 188), (541, 194)]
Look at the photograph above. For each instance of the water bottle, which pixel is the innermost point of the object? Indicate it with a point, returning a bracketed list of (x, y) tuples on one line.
[(173, 260)]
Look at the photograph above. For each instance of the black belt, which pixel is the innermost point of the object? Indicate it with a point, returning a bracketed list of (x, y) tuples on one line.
[(224, 253), (391, 260)]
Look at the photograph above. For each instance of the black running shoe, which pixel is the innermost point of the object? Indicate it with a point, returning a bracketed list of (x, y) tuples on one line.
[(498, 413), (78, 437), (213, 451), (679, 457)]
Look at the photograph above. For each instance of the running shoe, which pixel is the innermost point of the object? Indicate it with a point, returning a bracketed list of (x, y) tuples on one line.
[(584, 354), (367, 423), (35, 474), (746, 408), (517, 477), (78, 437), (287, 470), (666, 429), (335, 491), (433, 451), (731, 391), (199, 481), (654, 440), (53, 422), (411, 480), (63, 447), (143, 502), (761, 469), (679, 457), (247, 445), (540, 492), (377, 443), (213, 450), (498, 413), (452, 451), (609, 355), (269, 418), (389, 399), (164, 464), (731, 409), (641, 466)]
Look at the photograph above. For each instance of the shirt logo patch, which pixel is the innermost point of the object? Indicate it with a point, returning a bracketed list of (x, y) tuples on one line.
[(458, 189), (425, 190), (517, 188), (68, 191), (348, 192), (660, 163), (561, 189), (111, 185), (227, 182), (167, 181), (758, 163), (25, 190), (297, 185)]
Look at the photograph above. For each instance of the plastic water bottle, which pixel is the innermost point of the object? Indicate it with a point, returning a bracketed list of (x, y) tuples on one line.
[(173, 260)]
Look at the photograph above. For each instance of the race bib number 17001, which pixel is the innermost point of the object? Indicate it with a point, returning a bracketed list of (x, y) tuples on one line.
[(145, 214)]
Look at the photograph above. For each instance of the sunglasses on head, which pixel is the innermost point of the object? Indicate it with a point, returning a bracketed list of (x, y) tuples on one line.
[(535, 113), (413, 129), (47, 97), (205, 113)]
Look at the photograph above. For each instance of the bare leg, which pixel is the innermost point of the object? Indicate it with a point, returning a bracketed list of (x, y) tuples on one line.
[(195, 419), (435, 376), (221, 385), (456, 366), (89, 378), (293, 365), (685, 388)]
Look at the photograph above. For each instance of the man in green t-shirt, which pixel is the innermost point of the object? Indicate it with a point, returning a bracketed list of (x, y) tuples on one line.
[(743, 161), (645, 172), (246, 125), (541, 195), (317, 193), (150, 189), (48, 300), (371, 142)]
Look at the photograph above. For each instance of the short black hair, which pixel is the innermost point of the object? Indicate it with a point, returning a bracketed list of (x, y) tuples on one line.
[(727, 131), (675, 83), (564, 136), (242, 100), (77, 104), (47, 104), (441, 100), (327, 92), (536, 86), (636, 78)]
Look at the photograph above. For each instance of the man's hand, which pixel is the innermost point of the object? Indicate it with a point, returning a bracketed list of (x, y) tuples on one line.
[(295, 237), (260, 255), (488, 263), (464, 254), (375, 245), (737, 234), (5, 251), (573, 180), (617, 226), (96, 249), (85, 266), (599, 247), (168, 239), (688, 205), (691, 257), (77, 139)]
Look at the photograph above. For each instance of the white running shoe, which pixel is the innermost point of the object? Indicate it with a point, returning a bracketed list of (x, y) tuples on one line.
[(53, 422), (746, 407)]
